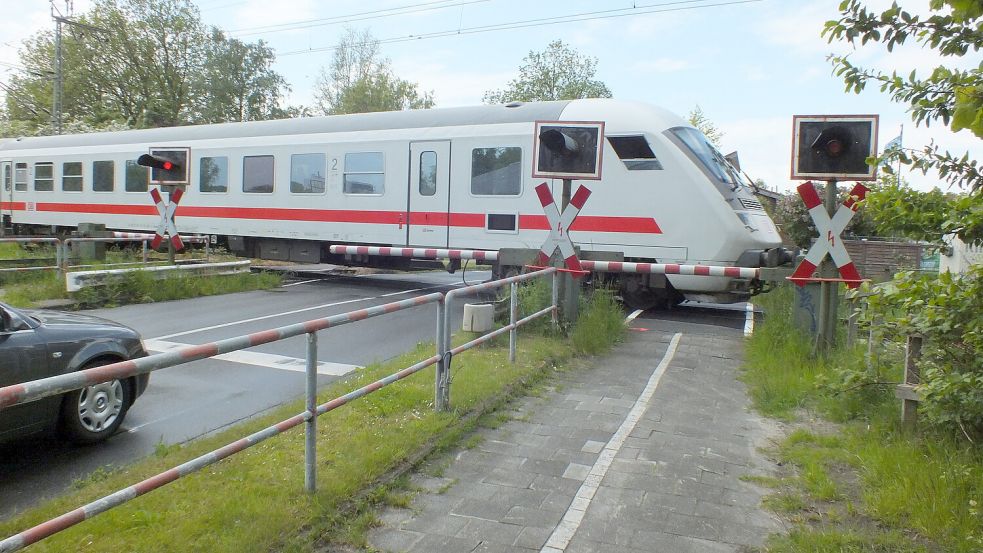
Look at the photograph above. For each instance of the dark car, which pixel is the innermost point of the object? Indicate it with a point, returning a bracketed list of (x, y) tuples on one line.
[(40, 343)]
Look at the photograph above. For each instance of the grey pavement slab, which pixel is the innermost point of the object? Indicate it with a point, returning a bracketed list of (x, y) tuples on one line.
[(589, 467)]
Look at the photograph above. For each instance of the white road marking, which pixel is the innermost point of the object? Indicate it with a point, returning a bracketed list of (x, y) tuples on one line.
[(565, 531), (294, 312), (749, 321), (634, 315), (301, 282), (260, 359)]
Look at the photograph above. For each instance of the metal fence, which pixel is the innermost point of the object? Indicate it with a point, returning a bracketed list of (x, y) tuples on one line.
[(38, 389), (63, 248)]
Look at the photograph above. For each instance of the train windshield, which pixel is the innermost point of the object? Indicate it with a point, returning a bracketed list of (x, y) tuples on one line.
[(711, 159)]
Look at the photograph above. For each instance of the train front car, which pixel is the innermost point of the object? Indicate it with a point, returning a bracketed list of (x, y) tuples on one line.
[(694, 207)]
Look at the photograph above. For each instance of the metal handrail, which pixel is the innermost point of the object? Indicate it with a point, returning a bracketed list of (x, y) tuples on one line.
[(442, 398), (34, 240), (39, 389)]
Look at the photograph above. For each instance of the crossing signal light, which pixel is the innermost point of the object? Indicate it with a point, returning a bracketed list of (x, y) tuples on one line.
[(834, 147), (148, 160), (168, 166), (568, 150)]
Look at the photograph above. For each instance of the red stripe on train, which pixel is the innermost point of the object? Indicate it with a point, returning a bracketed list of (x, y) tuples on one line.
[(595, 223)]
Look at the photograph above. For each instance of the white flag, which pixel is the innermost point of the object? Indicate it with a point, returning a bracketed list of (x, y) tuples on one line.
[(893, 144)]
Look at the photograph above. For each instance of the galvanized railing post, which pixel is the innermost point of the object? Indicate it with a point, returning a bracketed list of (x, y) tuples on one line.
[(310, 445), (145, 253), (513, 316), (555, 298), (59, 255), (442, 384)]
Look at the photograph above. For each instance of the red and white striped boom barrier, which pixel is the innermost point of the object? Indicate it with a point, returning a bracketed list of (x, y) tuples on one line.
[(670, 269), (420, 253)]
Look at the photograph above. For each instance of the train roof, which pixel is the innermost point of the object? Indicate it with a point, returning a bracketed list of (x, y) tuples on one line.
[(517, 112)]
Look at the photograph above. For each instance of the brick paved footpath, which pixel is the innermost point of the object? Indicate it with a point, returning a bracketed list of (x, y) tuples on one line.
[(642, 452)]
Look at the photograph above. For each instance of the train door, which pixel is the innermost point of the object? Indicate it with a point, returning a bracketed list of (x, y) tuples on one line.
[(6, 192), (427, 216)]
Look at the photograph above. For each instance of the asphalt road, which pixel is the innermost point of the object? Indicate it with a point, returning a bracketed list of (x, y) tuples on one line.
[(198, 398), (191, 400)]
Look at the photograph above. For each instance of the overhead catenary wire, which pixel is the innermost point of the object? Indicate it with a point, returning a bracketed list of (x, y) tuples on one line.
[(556, 20), (354, 17)]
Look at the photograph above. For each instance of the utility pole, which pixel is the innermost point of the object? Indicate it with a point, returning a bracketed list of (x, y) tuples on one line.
[(58, 83)]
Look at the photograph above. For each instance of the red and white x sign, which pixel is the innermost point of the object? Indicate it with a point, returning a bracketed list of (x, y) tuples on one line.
[(560, 225), (166, 225), (829, 235)]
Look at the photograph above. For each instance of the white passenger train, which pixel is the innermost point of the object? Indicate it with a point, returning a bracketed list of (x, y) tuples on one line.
[(441, 178)]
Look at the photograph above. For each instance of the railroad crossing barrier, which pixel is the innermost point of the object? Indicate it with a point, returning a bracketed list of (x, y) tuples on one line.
[(420, 253), (47, 387), (670, 269)]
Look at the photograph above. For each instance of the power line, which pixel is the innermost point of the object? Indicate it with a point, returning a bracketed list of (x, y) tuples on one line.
[(540, 22), (354, 17)]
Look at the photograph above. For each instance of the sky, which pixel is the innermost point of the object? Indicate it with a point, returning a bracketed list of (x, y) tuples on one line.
[(750, 65)]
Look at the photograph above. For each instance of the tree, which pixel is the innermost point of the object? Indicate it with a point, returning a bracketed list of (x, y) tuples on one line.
[(153, 64), (361, 80), (557, 73), (241, 82), (899, 210), (950, 95), (703, 123)]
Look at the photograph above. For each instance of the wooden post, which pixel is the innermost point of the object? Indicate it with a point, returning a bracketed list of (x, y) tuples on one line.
[(912, 377)]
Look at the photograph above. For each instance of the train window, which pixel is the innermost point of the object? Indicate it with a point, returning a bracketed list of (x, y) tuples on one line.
[(635, 153), (213, 174), (698, 145), (20, 177), (71, 176), (43, 176), (428, 173), (137, 177), (103, 176), (307, 173), (500, 221), (257, 174), (6, 176), (496, 171), (365, 173)]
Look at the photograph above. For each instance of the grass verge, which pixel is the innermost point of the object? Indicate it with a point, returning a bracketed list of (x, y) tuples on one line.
[(255, 501), (857, 482), (31, 291)]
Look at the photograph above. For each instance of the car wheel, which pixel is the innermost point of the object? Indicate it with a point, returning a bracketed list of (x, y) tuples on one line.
[(94, 413)]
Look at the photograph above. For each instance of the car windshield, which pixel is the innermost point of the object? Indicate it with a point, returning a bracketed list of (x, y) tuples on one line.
[(711, 159), (16, 314)]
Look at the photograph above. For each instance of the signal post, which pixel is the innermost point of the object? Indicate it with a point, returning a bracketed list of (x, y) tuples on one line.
[(566, 150), (169, 169), (830, 148)]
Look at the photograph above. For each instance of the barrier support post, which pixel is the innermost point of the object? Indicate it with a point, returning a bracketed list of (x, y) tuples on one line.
[(513, 316), (310, 436)]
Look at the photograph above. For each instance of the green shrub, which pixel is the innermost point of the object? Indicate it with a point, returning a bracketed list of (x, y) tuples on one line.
[(947, 311), (601, 323)]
